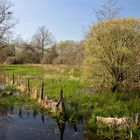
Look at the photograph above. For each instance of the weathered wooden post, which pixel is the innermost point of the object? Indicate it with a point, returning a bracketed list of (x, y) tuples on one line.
[(61, 102), (13, 79), (137, 118), (42, 91), (28, 86)]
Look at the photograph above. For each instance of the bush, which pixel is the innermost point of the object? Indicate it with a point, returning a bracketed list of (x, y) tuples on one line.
[(13, 60)]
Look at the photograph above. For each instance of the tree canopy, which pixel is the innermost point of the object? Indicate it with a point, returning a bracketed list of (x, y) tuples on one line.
[(112, 54)]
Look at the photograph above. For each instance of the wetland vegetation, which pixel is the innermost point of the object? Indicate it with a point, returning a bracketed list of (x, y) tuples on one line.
[(72, 90), (80, 104)]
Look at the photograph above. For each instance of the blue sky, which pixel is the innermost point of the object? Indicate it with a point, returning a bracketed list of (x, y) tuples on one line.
[(66, 19)]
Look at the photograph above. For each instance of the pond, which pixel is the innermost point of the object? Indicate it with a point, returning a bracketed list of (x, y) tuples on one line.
[(17, 123)]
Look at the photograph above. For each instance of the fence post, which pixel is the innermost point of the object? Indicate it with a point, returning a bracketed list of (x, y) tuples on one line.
[(28, 86), (13, 79), (42, 91), (62, 100)]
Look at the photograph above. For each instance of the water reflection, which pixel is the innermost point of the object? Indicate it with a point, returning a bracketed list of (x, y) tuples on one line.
[(34, 113), (42, 116), (61, 127), (18, 122)]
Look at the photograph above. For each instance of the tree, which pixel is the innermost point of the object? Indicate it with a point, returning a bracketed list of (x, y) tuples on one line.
[(67, 52), (18, 44), (6, 20), (112, 50), (27, 54), (50, 55), (108, 10), (6, 52), (42, 39)]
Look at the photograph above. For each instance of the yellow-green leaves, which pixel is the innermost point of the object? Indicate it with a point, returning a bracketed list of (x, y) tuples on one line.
[(112, 52)]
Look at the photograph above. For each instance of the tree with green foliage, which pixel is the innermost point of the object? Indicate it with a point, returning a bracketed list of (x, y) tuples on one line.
[(69, 52), (112, 54)]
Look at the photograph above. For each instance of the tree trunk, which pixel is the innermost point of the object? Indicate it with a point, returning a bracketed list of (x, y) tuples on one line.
[(114, 88)]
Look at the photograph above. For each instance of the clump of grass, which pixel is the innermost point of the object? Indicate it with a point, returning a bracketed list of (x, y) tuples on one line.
[(10, 89)]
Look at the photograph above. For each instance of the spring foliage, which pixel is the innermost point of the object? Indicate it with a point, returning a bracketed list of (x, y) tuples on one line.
[(112, 54)]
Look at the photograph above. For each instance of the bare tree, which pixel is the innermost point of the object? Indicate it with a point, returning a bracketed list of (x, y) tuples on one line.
[(6, 20), (108, 10), (42, 39)]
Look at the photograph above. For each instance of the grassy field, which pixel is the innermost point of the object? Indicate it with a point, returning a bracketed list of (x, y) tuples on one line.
[(57, 77)]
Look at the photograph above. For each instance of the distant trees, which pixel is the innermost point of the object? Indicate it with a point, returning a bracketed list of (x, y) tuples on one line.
[(50, 55), (64, 52), (68, 52), (27, 54), (112, 54), (6, 52), (42, 39)]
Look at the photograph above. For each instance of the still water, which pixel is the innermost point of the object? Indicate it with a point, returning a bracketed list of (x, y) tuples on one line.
[(21, 124), (17, 123)]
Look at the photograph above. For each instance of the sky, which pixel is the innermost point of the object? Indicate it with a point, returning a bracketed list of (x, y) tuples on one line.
[(66, 19)]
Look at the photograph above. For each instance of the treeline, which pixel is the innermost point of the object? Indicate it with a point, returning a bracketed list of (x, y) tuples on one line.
[(65, 52), (42, 49)]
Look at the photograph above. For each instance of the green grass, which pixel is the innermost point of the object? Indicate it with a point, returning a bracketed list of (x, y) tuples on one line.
[(24, 70), (70, 88), (57, 77), (80, 103)]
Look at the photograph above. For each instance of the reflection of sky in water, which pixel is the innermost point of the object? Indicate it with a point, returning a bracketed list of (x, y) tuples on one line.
[(20, 124)]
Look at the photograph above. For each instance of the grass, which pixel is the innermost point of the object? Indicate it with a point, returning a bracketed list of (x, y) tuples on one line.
[(57, 77), (23, 70)]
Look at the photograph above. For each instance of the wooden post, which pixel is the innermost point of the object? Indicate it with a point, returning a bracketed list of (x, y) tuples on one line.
[(61, 94), (137, 118), (62, 100), (28, 86), (13, 79), (42, 90)]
